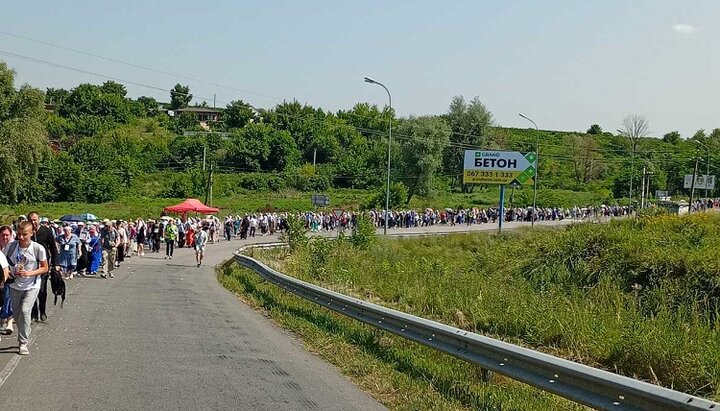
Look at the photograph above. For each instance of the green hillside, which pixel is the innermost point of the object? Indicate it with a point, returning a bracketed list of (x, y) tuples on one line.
[(93, 144)]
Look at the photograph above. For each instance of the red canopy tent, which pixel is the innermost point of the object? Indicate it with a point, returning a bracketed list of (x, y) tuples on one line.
[(191, 204)]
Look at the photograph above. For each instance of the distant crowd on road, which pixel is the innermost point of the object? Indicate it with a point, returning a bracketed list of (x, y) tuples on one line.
[(36, 251)]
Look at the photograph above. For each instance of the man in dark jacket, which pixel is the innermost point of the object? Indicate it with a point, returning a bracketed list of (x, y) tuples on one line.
[(43, 235)]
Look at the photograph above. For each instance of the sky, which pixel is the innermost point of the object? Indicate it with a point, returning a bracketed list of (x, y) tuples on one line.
[(565, 64)]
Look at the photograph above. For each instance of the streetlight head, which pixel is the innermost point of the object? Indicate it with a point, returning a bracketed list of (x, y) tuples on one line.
[(370, 80), (522, 115)]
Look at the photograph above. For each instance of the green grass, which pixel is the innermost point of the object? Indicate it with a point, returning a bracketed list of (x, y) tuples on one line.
[(400, 374), (638, 297)]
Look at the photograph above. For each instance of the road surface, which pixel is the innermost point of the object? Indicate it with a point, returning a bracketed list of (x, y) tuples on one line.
[(164, 335)]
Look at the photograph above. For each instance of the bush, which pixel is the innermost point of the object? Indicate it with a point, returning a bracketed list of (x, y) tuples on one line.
[(364, 235), (398, 197), (101, 188), (295, 234)]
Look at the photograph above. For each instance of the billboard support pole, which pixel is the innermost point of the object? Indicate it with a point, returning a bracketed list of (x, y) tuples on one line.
[(501, 211), (692, 186)]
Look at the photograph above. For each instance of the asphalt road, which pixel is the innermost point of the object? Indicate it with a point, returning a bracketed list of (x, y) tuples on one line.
[(164, 335)]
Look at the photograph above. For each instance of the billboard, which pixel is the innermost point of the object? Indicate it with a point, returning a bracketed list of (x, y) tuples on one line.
[(700, 182), (499, 167), (320, 200)]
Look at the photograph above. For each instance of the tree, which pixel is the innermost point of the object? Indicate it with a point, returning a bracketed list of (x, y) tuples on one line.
[(672, 137), (634, 127), (421, 152), (595, 129), (237, 114), (180, 96), (56, 95), (149, 104), (586, 159), (469, 123), (700, 136), (23, 140), (368, 119), (111, 87), (92, 100)]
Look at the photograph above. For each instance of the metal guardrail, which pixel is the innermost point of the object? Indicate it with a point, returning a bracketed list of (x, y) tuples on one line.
[(596, 388)]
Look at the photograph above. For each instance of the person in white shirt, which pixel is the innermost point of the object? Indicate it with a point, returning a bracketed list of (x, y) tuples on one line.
[(28, 261), (253, 225), (201, 238)]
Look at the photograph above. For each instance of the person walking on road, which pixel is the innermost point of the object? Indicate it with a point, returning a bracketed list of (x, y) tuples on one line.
[(109, 237), (171, 233), (95, 251), (28, 261), (43, 235), (6, 319), (201, 238), (70, 249)]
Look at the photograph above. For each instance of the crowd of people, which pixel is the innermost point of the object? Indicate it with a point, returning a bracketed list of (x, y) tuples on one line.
[(36, 251)]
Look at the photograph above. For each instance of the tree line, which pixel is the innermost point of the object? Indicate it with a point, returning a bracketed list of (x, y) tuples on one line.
[(92, 142)]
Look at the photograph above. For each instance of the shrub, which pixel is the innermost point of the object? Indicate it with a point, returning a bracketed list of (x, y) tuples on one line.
[(364, 235), (295, 234)]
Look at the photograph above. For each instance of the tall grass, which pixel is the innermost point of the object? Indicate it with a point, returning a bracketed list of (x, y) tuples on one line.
[(638, 297)]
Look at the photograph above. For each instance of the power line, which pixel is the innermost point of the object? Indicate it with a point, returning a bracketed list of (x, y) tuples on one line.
[(115, 60), (92, 73)]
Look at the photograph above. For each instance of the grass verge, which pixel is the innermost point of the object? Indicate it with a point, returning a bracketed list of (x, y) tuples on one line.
[(400, 374)]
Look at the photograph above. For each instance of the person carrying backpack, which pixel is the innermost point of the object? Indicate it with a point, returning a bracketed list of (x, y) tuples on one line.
[(28, 261)]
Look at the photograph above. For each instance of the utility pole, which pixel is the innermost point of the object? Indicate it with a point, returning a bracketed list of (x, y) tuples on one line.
[(314, 157), (208, 189), (204, 155), (692, 186), (211, 184), (632, 170), (642, 190)]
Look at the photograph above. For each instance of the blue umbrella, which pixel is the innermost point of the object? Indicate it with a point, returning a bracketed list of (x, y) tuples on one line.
[(89, 217)]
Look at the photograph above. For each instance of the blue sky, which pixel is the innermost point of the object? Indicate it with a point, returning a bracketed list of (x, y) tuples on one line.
[(566, 64)]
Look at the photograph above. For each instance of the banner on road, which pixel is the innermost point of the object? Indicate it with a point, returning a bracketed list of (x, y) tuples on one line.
[(499, 167), (700, 182)]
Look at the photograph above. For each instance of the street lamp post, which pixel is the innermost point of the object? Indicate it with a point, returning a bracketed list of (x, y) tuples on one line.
[(537, 162), (707, 175), (387, 189)]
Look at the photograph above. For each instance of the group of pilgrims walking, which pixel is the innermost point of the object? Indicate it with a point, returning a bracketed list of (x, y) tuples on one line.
[(36, 251)]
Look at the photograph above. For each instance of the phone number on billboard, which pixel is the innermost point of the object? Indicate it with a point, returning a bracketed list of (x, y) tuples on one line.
[(494, 174)]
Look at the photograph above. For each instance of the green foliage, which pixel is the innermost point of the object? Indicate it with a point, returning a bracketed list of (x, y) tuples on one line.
[(23, 141), (237, 114), (672, 137), (398, 197), (90, 101), (422, 152), (63, 178), (180, 96), (101, 188), (149, 106), (469, 123), (591, 292), (295, 236), (595, 129), (364, 235)]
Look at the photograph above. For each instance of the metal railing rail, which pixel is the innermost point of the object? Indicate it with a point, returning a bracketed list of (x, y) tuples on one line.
[(577, 382)]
